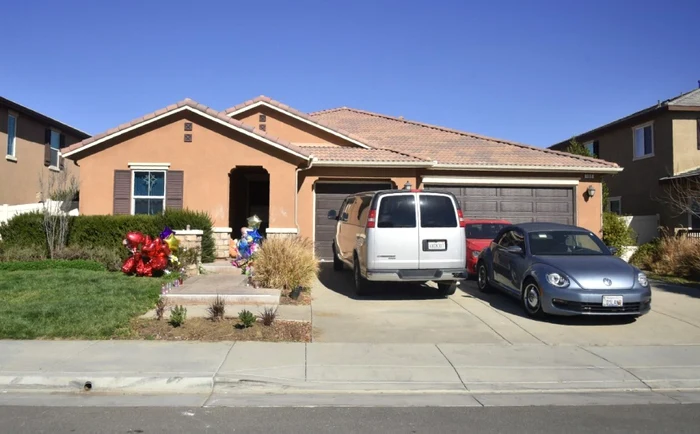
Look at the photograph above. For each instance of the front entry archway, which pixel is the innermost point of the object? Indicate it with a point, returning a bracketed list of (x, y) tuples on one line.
[(249, 193)]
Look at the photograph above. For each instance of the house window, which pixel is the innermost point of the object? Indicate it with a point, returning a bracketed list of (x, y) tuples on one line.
[(615, 205), (55, 148), (11, 135), (592, 148), (643, 141), (148, 192)]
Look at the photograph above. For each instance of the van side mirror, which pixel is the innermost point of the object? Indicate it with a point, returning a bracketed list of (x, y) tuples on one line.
[(332, 215), (516, 250)]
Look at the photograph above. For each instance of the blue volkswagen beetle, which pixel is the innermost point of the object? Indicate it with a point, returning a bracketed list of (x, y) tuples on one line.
[(562, 270)]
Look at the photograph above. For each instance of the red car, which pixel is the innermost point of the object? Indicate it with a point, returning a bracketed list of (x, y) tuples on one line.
[(480, 233)]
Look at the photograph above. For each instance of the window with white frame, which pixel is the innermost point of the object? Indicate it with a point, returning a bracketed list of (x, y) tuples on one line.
[(643, 140), (11, 135), (148, 191), (55, 148), (615, 205)]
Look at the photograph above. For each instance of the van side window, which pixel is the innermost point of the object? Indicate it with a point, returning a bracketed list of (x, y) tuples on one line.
[(437, 212), (397, 211), (345, 210), (363, 209)]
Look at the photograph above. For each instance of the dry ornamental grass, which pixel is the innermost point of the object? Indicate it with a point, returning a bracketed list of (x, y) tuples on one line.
[(286, 263)]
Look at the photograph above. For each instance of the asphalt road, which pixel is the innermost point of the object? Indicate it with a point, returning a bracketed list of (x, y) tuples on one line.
[(656, 419)]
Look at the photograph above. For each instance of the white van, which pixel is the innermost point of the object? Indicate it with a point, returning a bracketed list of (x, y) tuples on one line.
[(384, 236)]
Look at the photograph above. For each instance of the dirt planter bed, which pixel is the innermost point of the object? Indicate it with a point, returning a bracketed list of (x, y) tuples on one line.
[(203, 329)]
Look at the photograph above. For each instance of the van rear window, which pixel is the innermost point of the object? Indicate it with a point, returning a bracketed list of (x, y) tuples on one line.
[(397, 211), (437, 212)]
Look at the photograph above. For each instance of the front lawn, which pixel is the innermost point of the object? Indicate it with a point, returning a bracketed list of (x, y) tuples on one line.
[(71, 303)]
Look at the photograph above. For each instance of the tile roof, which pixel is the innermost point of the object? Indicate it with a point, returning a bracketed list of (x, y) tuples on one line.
[(686, 174), (447, 146), (688, 99), (338, 154), (196, 107), (285, 107)]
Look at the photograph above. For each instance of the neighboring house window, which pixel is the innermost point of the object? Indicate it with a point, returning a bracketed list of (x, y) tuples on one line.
[(55, 148), (592, 148), (11, 135), (615, 205), (693, 219), (643, 141), (148, 192)]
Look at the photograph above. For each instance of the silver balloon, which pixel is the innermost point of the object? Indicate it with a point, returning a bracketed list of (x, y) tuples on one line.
[(254, 222)]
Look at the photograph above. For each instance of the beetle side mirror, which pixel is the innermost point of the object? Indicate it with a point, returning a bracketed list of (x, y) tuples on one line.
[(613, 250), (517, 250), (332, 215)]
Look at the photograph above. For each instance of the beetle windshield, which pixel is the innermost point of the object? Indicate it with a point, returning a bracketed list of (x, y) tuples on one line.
[(566, 243)]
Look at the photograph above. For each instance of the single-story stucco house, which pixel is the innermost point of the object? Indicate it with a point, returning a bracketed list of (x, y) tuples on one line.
[(290, 168)]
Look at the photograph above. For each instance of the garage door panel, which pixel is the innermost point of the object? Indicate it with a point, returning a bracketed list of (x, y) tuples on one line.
[(516, 204)]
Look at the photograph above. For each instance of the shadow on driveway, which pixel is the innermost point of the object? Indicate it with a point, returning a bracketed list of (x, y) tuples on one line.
[(342, 283), (690, 291), (505, 303)]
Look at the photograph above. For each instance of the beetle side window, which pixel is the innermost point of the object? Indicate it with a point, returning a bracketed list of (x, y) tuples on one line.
[(397, 211), (505, 240), (518, 239)]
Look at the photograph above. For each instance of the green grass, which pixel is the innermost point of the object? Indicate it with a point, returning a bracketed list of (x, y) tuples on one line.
[(674, 280), (70, 303)]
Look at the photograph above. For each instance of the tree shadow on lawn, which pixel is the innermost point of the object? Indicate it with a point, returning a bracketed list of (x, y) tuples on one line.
[(342, 283), (511, 305)]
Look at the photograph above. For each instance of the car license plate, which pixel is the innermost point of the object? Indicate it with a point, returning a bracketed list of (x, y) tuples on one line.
[(612, 301), (437, 245)]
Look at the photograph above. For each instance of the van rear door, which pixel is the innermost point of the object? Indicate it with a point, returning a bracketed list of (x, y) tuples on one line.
[(394, 238), (442, 239)]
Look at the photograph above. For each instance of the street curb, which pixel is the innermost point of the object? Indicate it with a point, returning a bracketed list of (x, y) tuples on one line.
[(97, 383)]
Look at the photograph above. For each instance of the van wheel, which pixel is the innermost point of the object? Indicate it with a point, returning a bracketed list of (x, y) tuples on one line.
[(337, 263), (482, 278), (361, 284), (445, 289)]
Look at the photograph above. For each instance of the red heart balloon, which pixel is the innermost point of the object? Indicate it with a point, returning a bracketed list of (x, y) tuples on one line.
[(129, 265), (133, 239)]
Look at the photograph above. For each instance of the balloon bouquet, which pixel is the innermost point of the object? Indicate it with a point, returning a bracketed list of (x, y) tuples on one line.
[(244, 248), (148, 254)]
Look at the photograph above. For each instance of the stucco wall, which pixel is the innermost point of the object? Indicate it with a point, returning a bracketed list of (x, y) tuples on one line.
[(214, 151), (19, 180), (290, 129), (686, 155)]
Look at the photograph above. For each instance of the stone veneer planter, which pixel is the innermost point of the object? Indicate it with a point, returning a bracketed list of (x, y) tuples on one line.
[(191, 239), (222, 238)]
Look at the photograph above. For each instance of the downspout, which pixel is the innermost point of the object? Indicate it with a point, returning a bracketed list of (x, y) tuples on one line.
[(296, 190)]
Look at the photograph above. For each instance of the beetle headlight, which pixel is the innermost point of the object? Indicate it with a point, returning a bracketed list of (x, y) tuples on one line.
[(558, 280), (642, 279)]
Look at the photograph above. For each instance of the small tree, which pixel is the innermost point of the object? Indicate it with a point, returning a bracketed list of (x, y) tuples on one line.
[(576, 148), (682, 196), (58, 190)]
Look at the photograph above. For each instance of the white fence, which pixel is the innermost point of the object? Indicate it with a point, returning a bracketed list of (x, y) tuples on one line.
[(9, 211), (645, 226)]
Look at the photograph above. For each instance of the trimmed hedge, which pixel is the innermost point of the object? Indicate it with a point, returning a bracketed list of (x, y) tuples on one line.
[(108, 231), (50, 264)]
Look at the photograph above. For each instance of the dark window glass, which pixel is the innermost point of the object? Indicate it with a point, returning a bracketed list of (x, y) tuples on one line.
[(437, 212), (647, 140), (363, 209), (345, 212), (566, 243), (484, 231), (397, 211)]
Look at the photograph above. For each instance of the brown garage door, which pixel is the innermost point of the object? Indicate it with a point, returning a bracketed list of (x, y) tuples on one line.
[(330, 196), (516, 204)]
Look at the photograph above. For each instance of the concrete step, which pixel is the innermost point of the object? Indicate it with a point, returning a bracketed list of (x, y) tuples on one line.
[(254, 296), (221, 267)]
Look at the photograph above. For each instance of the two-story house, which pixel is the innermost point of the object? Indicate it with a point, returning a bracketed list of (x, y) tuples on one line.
[(653, 145), (32, 143)]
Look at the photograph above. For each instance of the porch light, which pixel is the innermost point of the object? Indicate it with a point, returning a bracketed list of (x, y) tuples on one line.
[(407, 186), (591, 191)]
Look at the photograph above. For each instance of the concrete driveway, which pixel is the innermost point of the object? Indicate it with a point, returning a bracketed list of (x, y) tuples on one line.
[(414, 314)]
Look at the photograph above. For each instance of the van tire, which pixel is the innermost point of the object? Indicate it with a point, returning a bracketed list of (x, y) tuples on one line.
[(361, 284), (337, 263), (445, 289)]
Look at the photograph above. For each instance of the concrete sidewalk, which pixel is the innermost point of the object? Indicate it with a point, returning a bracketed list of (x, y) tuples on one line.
[(252, 367)]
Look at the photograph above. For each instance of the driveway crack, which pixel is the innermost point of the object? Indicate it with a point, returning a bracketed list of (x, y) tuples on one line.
[(484, 322), (615, 364), (676, 318), (455, 369)]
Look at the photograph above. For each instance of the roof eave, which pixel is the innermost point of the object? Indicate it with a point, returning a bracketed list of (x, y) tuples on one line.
[(394, 164), (54, 122), (526, 168)]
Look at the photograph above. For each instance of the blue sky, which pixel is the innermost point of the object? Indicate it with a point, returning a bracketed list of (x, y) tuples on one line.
[(536, 72)]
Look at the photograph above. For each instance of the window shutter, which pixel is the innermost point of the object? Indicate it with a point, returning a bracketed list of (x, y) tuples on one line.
[(174, 188), (47, 147), (596, 149), (61, 145), (122, 192)]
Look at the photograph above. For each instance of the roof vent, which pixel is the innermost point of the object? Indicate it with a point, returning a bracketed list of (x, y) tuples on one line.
[(401, 117)]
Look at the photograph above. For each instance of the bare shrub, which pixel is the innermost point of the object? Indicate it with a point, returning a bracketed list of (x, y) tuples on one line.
[(217, 309), (285, 263), (161, 305), (58, 190), (268, 316)]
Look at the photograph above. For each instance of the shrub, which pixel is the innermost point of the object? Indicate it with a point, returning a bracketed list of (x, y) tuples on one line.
[(161, 304), (246, 318), (108, 231), (179, 219), (24, 230), (616, 233), (178, 315), (268, 316), (51, 264), (285, 263), (23, 253), (217, 308), (646, 255), (108, 257), (678, 256)]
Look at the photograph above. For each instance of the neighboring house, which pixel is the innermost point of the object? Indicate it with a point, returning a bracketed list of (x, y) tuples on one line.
[(654, 145), (291, 168), (32, 143)]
